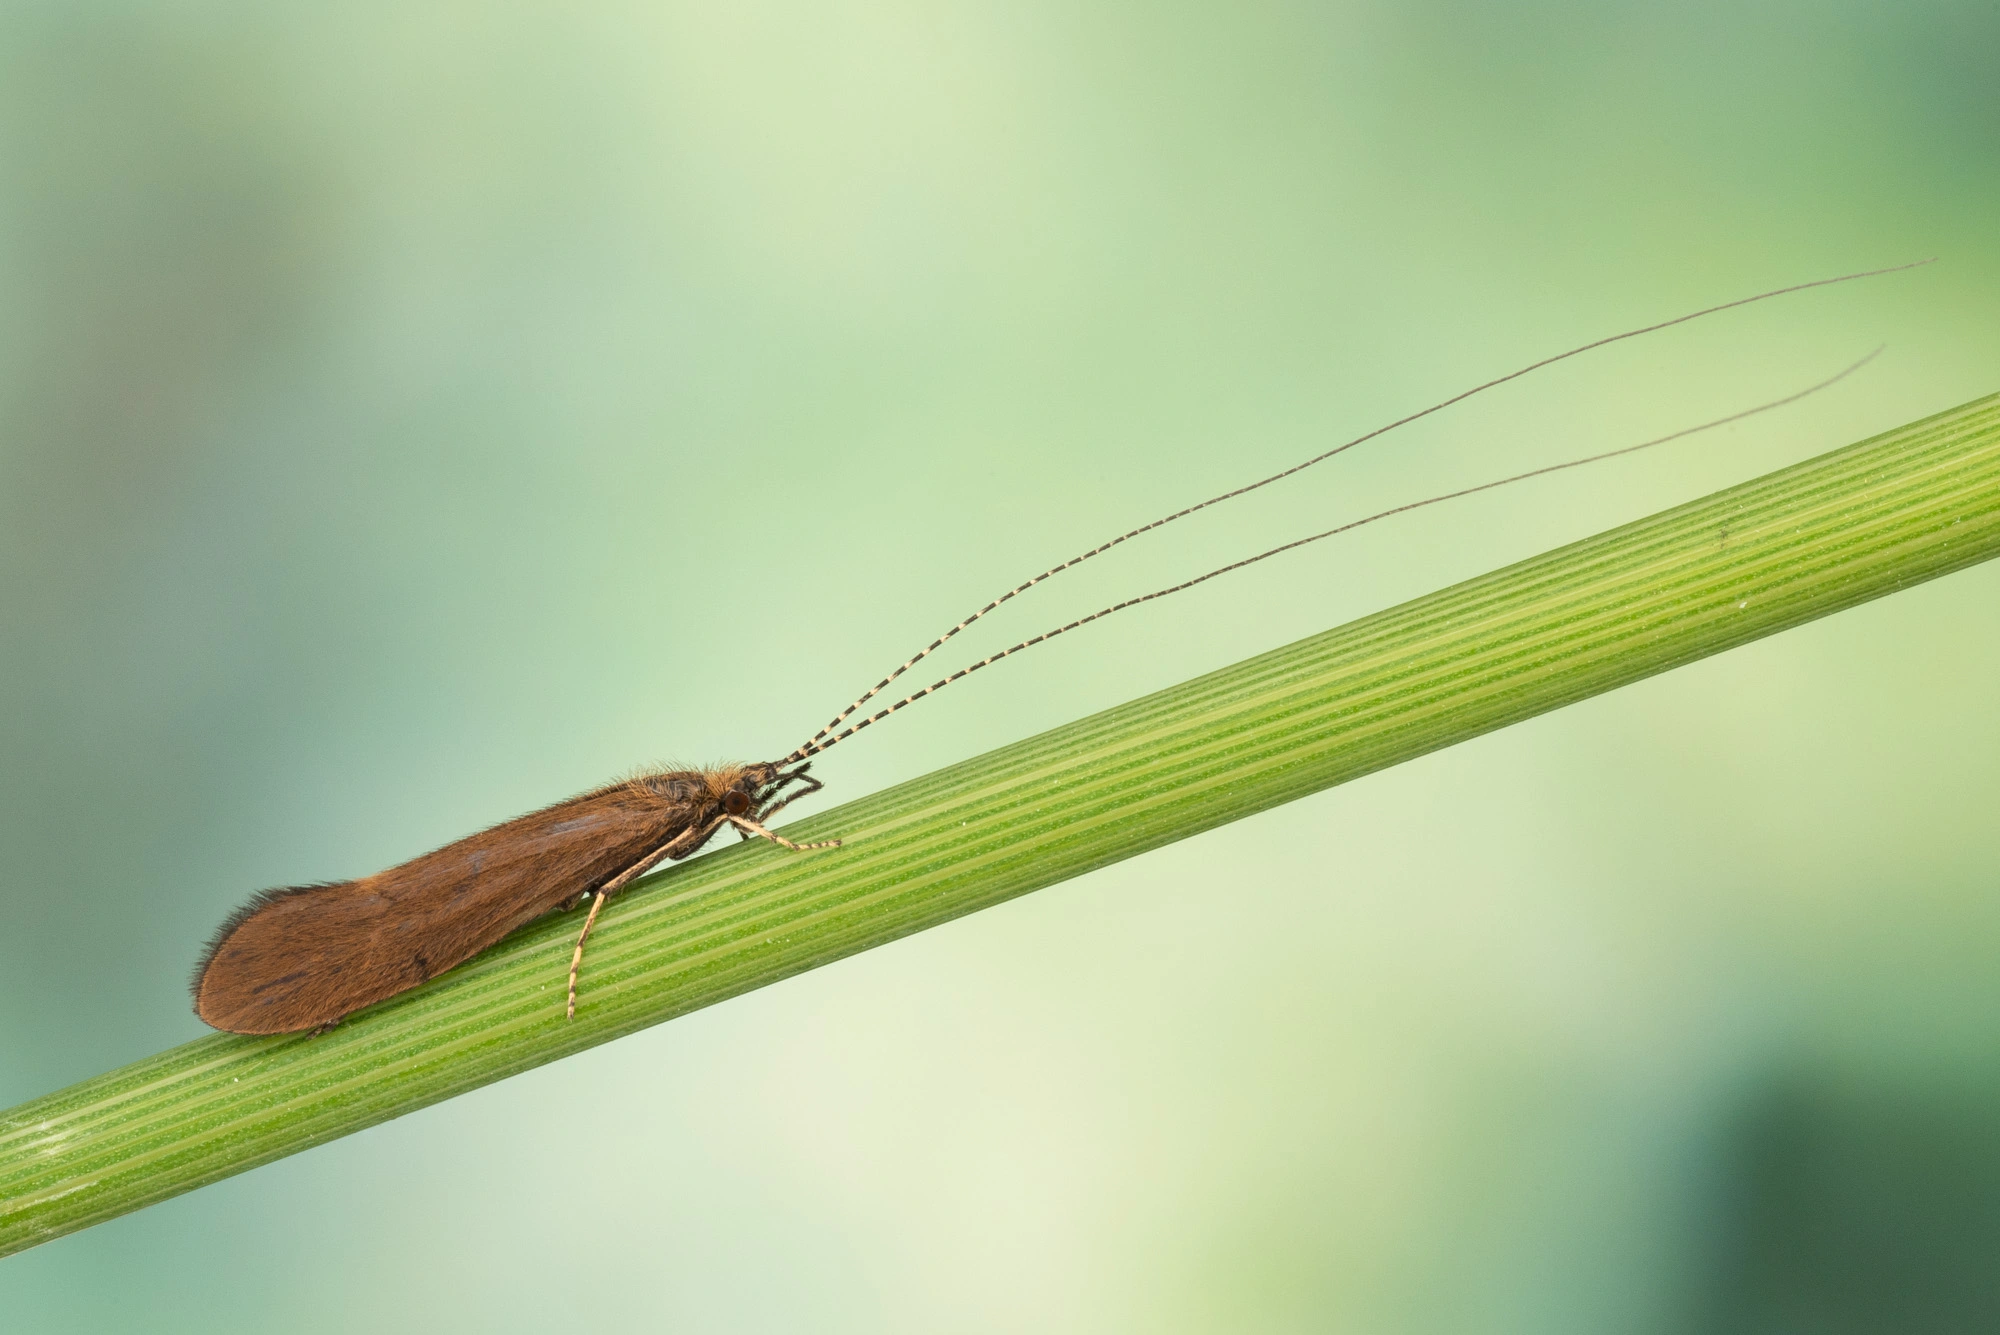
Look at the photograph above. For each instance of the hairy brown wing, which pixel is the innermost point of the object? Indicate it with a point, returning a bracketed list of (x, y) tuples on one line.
[(304, 957)]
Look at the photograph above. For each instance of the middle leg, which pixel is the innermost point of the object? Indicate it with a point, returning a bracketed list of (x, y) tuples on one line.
[(745, 823)]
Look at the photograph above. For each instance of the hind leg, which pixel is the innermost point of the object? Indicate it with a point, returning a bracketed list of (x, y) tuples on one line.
[(684, 842)]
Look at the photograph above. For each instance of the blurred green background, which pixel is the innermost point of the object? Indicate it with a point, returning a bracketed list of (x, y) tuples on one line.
[(413, 414)]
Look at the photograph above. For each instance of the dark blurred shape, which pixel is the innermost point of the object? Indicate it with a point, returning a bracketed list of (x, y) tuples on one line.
[(1859, 1208)]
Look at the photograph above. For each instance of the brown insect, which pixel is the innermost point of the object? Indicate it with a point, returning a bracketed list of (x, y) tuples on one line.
[(301, 958), (305, 957)]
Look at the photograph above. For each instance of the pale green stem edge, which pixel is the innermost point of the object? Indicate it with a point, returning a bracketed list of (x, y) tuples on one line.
[(1838, 530)]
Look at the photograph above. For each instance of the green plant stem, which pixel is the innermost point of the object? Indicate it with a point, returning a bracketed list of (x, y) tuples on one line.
[(1852, 525)]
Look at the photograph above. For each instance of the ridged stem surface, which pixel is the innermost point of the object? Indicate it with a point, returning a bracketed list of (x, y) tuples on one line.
[(1911, 504)]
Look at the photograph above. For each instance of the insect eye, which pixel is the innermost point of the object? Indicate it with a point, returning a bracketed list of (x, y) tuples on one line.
[(735, 803)]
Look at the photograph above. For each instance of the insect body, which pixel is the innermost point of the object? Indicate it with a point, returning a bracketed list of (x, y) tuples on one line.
[(305, 957)]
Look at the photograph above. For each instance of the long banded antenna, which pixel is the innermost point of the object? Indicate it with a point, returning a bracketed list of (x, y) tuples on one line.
[(815, 746)]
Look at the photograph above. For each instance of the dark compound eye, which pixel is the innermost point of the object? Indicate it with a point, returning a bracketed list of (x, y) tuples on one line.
[(735, 803)]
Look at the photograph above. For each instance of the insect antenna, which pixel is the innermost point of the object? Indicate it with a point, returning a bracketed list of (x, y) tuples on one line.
[(816, 744)]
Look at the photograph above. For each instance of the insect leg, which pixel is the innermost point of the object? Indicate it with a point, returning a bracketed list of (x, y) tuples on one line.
[(576, 960), (745, 823), (682, 845), (679, 843)]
